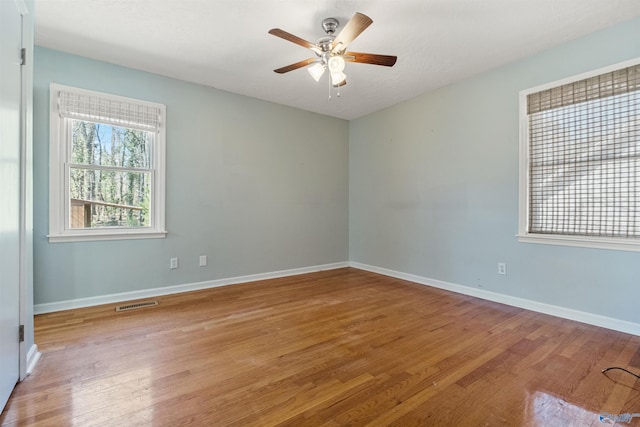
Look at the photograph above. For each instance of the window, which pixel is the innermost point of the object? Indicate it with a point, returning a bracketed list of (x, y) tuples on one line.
[(107, 161), (580, 160)]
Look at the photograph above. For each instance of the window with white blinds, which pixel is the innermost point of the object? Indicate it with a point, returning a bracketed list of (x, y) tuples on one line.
[(107, 166), (581, 150)]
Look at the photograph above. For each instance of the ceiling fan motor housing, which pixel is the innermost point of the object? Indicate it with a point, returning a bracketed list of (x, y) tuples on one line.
[(326, 43)]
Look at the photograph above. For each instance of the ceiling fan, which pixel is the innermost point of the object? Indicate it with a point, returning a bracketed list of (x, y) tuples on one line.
[(331, 50)]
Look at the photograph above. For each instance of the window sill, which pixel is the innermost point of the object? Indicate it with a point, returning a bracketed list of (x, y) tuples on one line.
[(84, 236), (584, 242)]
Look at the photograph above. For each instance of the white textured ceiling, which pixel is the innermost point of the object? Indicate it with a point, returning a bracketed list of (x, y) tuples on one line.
[(225, 44)]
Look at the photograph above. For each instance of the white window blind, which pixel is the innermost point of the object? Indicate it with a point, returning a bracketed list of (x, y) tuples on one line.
[(118, 111), (584, 157)]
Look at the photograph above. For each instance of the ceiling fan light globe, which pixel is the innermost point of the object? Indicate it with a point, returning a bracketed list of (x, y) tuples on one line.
[(336, 64), (337, 78), (316, 71)]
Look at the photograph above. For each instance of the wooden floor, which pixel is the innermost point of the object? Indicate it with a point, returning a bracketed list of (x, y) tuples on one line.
[(341, 347)]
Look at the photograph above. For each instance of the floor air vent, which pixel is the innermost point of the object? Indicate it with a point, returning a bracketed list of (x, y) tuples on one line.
[(136, 305)]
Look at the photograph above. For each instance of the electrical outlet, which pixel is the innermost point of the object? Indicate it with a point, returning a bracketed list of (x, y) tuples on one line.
[(502, 268), (203, 260), (173, 263)]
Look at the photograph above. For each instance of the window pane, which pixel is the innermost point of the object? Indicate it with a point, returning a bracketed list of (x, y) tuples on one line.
[(107, 145), (585, 168), (106, 198)]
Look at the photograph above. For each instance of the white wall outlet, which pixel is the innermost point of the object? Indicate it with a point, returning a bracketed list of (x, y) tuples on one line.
[(173, 263), (502, 268), (203, 260)]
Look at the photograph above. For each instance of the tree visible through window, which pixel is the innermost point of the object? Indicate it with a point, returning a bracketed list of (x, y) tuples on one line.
[(106, 166), (109, 175)]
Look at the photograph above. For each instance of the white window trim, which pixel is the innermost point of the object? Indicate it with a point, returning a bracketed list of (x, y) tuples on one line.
[(58, 208), (523, 209)]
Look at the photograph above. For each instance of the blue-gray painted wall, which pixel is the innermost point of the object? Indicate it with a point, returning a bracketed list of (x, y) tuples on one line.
[(434, 188), (255, 186)]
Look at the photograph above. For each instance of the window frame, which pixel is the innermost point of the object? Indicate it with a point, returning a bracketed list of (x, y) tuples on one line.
[(59, 195), (617, 243)]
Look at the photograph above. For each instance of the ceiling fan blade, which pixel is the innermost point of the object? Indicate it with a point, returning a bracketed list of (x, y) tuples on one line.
[(295, 66), (293, 39), (370, 58), (354, 27), (342, 83)]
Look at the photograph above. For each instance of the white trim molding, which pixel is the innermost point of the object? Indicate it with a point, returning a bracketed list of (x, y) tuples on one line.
[(32, 358), (156, 292), (539, 307), (582, 242)]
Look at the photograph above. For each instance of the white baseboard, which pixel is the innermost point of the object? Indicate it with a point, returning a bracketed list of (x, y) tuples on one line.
[(155, 292), (32, 358), (553, 310)]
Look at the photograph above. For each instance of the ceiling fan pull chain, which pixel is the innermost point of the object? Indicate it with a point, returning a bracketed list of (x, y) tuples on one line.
[(337, 90)]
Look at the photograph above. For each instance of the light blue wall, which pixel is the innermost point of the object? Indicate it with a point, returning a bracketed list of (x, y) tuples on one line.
[(428, 187), (255, 186), (434, 188)]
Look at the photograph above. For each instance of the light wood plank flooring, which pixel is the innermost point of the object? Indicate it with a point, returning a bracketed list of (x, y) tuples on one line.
[(334, 348)]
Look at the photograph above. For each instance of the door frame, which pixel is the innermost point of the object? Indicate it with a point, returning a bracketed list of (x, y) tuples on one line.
[(25, 268)]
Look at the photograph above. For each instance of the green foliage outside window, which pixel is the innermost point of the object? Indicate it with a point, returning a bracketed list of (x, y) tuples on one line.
[(110, 174)]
